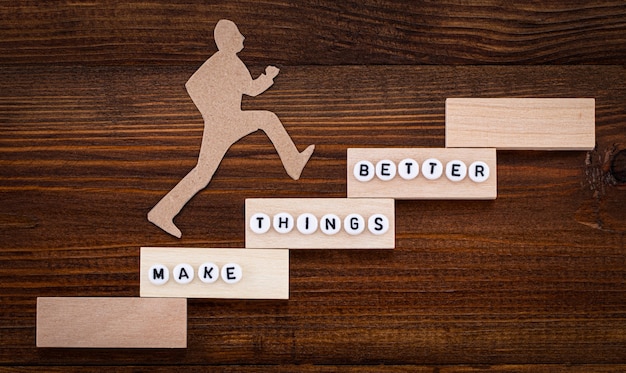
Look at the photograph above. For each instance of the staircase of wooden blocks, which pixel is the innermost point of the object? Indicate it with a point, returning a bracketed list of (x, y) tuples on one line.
[(376, 177)]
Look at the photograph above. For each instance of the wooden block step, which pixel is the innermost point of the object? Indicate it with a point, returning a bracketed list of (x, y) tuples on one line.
[(111, 322), (320, 223), (521, 123), (422, 173), (214, 273)]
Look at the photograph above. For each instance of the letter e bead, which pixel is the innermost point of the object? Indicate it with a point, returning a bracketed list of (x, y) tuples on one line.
[(232, 273)]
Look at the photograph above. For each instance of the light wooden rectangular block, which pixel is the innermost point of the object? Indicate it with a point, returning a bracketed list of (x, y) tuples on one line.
[(373, 228), (264, 273), (111, 322), (521, 123), (391, 179)]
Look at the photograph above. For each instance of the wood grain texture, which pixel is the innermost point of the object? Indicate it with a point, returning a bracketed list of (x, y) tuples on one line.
[(305, 368), (316, 32), (536, 276), (96, 126)]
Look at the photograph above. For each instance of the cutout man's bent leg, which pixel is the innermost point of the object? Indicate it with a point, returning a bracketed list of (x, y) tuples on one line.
[(292, 159)]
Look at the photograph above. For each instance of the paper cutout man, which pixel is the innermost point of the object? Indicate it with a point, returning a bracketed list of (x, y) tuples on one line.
[(216, 89)]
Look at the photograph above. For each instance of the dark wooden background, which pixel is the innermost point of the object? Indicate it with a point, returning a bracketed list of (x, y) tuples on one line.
[(96, 126)]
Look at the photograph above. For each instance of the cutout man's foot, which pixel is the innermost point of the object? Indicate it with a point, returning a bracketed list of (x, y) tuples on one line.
[(303, 159), (164, 223)]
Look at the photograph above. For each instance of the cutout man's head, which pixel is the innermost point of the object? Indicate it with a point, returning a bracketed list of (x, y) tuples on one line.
[(227, 36)]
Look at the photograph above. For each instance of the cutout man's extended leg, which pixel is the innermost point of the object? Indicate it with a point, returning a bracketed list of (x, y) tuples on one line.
[(163, 213)]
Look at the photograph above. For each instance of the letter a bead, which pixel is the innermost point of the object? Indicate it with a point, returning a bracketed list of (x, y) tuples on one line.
[(183, 273)]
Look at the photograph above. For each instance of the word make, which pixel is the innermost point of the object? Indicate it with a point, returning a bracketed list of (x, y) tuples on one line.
[(320, 223), (183, 274), (214, 273), (422, 173)]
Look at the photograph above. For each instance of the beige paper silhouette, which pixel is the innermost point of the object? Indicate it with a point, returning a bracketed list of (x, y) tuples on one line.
[(216, 89)]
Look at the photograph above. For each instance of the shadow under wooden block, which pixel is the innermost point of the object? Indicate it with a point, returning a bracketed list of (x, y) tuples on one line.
[(422, 173), (320, 223), (521, 123), (111, 322), (214, 273)]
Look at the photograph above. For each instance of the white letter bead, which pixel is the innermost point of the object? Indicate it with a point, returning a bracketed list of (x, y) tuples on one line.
[(479, 171), (183, 273), (378, 224), (432, 169), (408, 169), (283, 222), (385, 170), (232, 273), (330, 224), (364, 171), (208, 272), (260, 223), (354, 224), (158, 274), (307, 223), (456, 170)]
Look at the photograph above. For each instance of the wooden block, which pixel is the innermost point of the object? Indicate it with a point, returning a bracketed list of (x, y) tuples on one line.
[(214, 273), (422, 173), (111, 322), (521, 123), (320, 223)]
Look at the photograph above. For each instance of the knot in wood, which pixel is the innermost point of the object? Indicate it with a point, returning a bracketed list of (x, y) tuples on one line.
[(618, 166)]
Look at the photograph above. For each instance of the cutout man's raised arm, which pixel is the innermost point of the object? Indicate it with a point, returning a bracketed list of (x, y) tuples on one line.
[(263, 82)]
